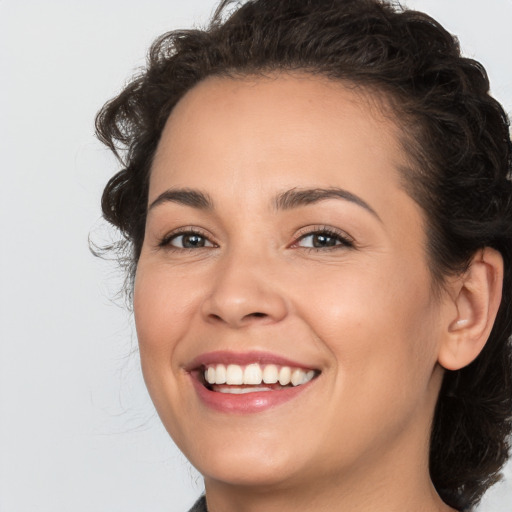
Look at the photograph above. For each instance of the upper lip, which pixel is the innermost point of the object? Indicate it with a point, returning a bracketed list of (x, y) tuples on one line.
[(243, 358)]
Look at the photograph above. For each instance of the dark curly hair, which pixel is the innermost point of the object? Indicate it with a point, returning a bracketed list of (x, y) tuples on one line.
[(456, 135)]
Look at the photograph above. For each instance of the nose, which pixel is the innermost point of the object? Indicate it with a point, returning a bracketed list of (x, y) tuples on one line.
[(244, 292)]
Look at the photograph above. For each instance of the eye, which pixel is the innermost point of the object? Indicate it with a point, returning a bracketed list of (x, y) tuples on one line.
[(186, 240), (323, 239)]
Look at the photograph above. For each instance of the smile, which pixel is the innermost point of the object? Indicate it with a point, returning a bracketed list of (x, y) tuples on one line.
[(248, 382), (254, 377)]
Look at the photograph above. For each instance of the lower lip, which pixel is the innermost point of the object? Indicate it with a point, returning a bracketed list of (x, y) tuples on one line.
[(246, 403)]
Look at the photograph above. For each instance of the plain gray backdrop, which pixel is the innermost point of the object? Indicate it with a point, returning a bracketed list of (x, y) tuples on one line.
[(78, 432)]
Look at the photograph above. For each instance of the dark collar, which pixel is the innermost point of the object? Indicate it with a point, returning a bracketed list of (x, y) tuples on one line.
[(199, 506)]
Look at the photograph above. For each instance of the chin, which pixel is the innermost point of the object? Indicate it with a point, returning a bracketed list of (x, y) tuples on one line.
[(246, 462)]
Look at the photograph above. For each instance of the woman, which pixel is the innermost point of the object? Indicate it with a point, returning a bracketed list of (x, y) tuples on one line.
[(316, 198)]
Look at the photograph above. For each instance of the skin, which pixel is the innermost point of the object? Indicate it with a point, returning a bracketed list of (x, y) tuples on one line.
[(363, 312)]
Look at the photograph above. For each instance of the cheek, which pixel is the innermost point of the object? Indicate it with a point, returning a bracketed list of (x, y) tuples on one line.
[(374, 320), (163, 311), (163, 305), (381, 334)]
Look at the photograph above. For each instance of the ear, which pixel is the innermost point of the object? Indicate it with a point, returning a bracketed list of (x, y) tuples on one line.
[(477, 296)]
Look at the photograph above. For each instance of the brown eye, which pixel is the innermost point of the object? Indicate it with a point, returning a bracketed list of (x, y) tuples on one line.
[(189, 241), (323, 240)]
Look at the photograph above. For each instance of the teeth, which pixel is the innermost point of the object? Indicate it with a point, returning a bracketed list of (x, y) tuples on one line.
[(270, 374), (242, 391), (285, 375), (210, 374), (298, 377), (253, 375), (234, 374), (220, 374)]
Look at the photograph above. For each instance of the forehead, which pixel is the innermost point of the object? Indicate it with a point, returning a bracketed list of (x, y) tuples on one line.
[(289, 128)]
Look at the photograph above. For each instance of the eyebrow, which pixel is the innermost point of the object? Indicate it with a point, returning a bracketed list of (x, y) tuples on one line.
[(290, 199), (184, 196), (298, 197)]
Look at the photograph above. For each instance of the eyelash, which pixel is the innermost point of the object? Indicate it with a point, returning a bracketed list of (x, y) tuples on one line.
[(344, 240), (166, 241)]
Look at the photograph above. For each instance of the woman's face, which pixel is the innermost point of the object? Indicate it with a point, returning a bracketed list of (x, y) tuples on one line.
[(280, 244)]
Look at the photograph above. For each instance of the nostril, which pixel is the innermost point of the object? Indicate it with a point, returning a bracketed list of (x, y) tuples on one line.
[(243, 320), (257, 315)]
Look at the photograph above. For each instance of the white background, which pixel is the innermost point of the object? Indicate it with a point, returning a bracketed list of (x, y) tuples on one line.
[(77, 430)]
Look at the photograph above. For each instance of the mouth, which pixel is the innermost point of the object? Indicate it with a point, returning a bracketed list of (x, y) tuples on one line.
[(253, 378), (251, 382), (248, 382)]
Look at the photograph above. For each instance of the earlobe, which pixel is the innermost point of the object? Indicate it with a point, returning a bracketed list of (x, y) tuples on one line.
[(477, 296)]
